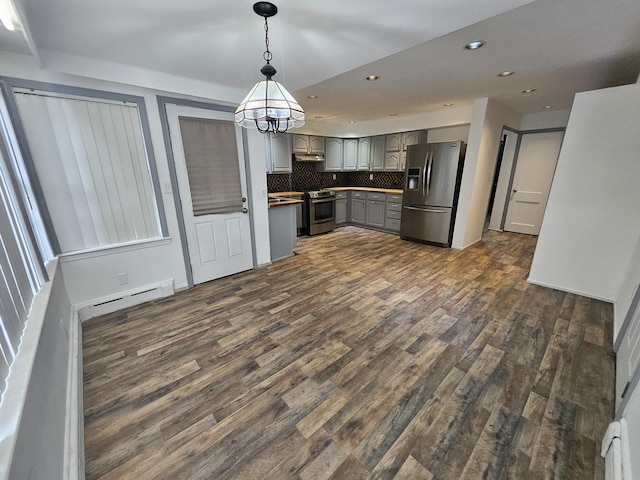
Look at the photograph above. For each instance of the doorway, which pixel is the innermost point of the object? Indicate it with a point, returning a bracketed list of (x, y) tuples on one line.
[(502, 176), (212, 183), (535, 166)]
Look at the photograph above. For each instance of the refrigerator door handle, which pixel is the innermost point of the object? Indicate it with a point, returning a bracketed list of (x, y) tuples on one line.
[(424, 175), (431, 210), (429, 167)]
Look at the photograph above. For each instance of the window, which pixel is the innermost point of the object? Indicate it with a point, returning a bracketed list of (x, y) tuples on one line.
[(212, 165), (20, 277), (91, 165)]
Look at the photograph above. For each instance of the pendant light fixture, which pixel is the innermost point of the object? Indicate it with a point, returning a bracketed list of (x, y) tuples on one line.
[(269, 107)]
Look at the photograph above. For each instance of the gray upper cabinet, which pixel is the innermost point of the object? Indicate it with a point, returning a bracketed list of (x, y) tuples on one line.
[(396, 147), (393, 142), (377, 153), (410, 138), (382, 152), (308, 144), (350, 154), (392, 160), (364, 153), (333, 154), (413, 138), (278, 152), (316, 144)]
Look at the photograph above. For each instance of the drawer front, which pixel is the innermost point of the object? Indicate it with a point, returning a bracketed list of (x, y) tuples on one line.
[(393, 214), (358, 194), (395, 198), (396, 207), (341, 194), (392, 224), (381, 197)]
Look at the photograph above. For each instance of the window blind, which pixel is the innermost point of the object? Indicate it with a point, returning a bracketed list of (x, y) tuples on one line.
[(211, 157), (92, 167)]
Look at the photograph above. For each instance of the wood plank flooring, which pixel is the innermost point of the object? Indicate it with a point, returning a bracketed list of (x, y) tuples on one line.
[(363, 356)]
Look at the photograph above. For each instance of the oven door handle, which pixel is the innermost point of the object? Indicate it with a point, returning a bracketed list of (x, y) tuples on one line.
[(323, 200)]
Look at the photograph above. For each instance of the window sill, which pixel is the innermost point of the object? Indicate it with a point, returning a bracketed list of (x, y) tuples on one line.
[(115, 249)]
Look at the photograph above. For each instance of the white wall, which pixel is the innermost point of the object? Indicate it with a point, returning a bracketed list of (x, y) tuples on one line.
[(95, 277), (545, 119), (33, 414), (442, 118), (449, 134), (487, 122), (592, 221)]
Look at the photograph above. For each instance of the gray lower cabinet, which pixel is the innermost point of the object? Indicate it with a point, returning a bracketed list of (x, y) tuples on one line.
[(282, 231), (376, 209), (393, 212), (342, 199), (370, 209), (358, 207)]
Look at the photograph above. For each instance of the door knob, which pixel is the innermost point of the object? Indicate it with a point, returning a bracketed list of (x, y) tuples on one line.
[(244, 199), (514, 191), (245, 210)]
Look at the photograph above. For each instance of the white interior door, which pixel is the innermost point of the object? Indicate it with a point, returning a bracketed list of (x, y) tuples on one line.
[(535, 167), (219, 244)]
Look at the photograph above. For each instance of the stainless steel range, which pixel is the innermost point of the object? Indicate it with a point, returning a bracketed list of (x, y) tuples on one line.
[(320, 211)]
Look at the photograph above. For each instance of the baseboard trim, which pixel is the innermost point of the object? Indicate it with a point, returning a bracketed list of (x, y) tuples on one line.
[(569, 290), (74, 422), (129, 298)]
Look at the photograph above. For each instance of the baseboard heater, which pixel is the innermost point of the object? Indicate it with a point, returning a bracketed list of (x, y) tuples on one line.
[(615, 451), (130, 298)]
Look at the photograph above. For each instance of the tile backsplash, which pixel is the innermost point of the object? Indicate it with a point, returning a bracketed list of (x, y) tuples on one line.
[(304, 176)]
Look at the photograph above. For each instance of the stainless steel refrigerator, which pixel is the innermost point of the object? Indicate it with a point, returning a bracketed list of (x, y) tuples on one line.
[(432, 184)]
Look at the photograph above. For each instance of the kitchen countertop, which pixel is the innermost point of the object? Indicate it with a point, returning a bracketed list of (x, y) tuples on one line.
[(394, 191), (287, 194), (284, 198)]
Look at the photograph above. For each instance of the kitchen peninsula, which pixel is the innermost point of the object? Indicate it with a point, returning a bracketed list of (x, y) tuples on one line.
[(283, 208)]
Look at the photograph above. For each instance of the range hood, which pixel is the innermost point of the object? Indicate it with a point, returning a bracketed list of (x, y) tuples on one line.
[(309, 157)]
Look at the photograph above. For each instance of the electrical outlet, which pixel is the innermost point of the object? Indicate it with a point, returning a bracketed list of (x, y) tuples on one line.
[(123, 278), (371, 176), (334, 176)]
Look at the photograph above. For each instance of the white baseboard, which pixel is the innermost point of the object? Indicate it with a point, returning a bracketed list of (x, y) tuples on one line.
[(74, 422), (129, 298), (569, 290)]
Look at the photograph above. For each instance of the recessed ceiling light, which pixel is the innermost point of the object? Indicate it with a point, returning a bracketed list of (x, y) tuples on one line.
[(506, 73), (393, 114), (312, 97), (529, 90), (371, 78), (475, 45), (352, 121), (547, 107), (448, 105), (318, 116)]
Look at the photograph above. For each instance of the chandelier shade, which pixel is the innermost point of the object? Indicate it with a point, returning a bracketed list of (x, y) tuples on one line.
[(269, 107)]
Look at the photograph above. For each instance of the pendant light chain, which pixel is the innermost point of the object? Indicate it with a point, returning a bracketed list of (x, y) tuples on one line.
[(269, 107), (267, 54)]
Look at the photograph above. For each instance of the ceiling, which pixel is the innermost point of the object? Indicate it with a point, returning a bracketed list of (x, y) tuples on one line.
[(327, 48)]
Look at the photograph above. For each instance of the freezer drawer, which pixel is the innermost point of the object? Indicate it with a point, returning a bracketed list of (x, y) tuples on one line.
[(429, 224)]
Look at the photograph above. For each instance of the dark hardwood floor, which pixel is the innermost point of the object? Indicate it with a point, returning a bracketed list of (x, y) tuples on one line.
[(364, 356)]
